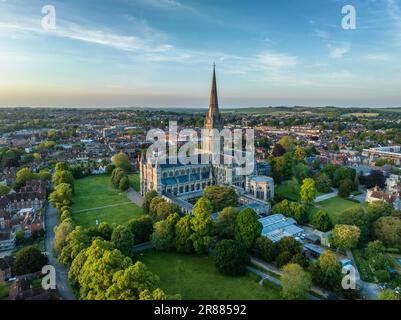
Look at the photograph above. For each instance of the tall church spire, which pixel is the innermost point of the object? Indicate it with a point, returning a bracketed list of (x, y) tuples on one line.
[(213, 119)]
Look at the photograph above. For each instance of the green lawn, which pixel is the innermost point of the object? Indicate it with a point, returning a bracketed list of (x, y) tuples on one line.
[(4, 288), (334, 207), (195, 277), (97, 192), (288, 190)]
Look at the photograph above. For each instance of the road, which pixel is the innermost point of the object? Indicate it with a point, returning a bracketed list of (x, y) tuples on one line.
[(51, 220), (271, 268), (274, 280), (368, 290), (326, 196)]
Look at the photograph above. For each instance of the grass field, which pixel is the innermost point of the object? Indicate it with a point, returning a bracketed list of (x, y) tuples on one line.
[(4, 288), (334, 207), (362, 114), (288, 190), (96, 198), (195, 277)]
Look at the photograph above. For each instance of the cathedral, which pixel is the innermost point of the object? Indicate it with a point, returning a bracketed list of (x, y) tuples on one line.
[(189, 181)]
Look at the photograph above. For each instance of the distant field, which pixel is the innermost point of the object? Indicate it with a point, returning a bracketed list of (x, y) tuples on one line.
[(96, 198), (334, 207), (195, 277), (362, 115)]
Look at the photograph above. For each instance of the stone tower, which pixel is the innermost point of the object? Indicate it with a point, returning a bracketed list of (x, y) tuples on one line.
[(213, 118)]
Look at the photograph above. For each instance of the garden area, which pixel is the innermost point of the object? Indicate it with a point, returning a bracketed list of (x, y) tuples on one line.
[(96, 198), (334, 207), (196, 277)]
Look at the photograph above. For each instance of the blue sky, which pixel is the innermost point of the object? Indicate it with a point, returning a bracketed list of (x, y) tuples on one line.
[(160, 53)]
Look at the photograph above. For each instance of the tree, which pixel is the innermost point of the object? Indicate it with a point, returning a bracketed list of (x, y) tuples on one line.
[(45, 175), (296, 282), (287, 142), (183, 238), (345, 188), (121, 161), (221, 197), (293, 210), (61, 196), (299, 153), (60, 235), (375, 178), (329, 170), (278, 168), (283, 258), (123, 240), (141, 228), (289, 244), (300, 259), (148, 198), (23, 176), (165, 209), (230, 258), (94, 268), (202, 225), (308, 191), (63, 176), (388, 295), (374, 248), (278, 150), (4, 190), (66, 214), (110, 168), (378, 209), (76, 241), (356, 216), (117, 175), (301, 171), (225, 223), (61, 166), (388, 230), (105, 230), (343, 173), (247, 227), (164, 232), (265, 249), (323, 183), (322, 221), (28, 260), (346, 237), (133, 282), (123, 185), (329, 270)]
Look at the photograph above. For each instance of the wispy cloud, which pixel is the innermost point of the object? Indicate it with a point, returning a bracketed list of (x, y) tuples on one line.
[(277, 61), (322, 34), (71, 30), (394, 12), (376, 57), (338, 52)]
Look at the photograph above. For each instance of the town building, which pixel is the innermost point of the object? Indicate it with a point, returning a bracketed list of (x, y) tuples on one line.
[(376, 194), (277, 226), (390, 153)]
